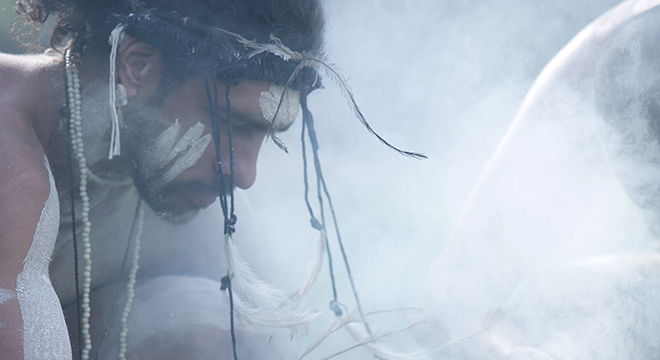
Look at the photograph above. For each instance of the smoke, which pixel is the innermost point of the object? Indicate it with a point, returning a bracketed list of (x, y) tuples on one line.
[(552, 256), (443, 78)]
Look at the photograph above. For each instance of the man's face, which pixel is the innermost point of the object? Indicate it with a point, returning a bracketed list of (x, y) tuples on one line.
[(171, 153)]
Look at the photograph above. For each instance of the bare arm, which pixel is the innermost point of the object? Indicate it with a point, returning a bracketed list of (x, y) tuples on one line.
[(27, 299)]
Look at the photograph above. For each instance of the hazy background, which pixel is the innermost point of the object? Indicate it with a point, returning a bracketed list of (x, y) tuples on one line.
[(440, 77)]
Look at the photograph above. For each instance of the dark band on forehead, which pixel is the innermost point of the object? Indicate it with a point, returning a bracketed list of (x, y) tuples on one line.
[(192, 51)]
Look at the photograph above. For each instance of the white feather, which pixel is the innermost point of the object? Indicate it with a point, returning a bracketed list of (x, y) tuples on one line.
[(247, 284), (314, 270), (262, 320), (260, 306)]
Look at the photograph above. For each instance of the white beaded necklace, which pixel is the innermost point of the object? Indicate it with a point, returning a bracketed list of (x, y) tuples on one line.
[(130, 293), (75, 131), (76, 134)]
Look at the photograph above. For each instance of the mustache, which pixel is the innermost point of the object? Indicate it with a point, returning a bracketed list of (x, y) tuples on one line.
[(208, 188)]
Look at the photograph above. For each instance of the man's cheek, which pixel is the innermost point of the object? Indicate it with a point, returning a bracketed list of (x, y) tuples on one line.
[(176, 153)]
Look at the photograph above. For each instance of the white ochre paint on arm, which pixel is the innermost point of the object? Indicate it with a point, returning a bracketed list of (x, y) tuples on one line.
[(45, 334), (270, 100), (5, 295)]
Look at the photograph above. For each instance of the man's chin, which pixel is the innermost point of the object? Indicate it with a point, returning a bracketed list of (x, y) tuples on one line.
[(169, 211), (177, 218), (174, 203)]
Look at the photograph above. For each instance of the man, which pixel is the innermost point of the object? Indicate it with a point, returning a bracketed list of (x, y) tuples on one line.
[(177, 106)]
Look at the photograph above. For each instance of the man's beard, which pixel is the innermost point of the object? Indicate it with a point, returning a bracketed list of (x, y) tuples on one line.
[(151, 173), (153, 193)]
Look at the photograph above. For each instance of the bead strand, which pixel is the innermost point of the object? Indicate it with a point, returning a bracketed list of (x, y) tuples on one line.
[(130, 288), (75, 129)]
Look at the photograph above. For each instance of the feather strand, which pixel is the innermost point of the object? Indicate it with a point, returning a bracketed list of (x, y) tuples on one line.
[(333, 72), (258, 304), (314, 269)]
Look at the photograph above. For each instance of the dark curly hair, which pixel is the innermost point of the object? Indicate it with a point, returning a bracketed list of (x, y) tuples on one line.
[(86, 25)]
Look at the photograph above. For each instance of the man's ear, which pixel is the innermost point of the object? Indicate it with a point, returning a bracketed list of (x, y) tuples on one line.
[(139, 66)]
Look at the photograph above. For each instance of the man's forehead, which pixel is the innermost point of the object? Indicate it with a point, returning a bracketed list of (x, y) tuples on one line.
[(279, 105), (262, 102)]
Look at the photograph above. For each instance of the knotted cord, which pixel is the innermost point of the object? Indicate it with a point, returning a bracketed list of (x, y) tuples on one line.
[(227, 209), (308, 124)]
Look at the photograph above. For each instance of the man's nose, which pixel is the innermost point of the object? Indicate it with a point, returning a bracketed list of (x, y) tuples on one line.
[(246, 153)]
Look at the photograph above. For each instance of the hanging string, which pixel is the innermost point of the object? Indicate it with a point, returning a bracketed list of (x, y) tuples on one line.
[(121, 273), (213, 104), (226, 285), (117, 36), (308, 122), (343, 253), (230, 218), (66, 112), (227, 211), (230, 222), (313, 220)]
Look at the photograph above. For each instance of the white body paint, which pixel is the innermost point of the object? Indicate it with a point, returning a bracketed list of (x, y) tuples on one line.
[(45, 333), (189, 148), (269, 101), (6, 295)]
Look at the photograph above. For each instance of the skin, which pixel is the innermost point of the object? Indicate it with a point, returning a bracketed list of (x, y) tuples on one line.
[(140, 69), (24, 133), (31, 95)]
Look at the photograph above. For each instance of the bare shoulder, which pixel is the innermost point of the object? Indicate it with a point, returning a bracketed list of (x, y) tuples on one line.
[(31, 91), (24, 189)]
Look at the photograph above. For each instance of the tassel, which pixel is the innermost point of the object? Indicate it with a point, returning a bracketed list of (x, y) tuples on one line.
[(117, 36)]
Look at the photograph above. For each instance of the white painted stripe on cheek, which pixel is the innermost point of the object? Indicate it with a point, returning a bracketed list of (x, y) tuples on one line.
[(190, 147)]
